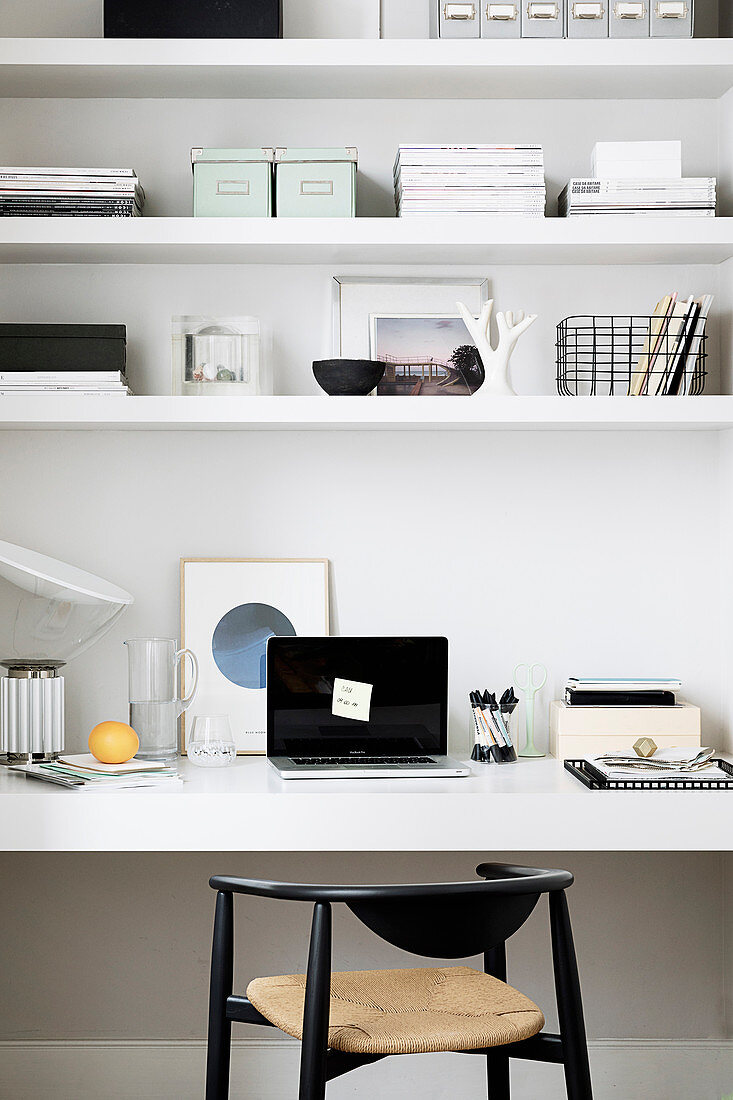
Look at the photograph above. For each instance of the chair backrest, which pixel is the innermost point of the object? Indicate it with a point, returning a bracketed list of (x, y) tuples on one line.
[(446, 920), (450, 922), (445, 927)]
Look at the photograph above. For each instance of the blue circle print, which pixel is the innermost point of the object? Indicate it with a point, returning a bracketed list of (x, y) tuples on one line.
[(239, 643)]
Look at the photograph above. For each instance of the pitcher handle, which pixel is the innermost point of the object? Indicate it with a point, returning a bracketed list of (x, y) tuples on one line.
[(186, 703)]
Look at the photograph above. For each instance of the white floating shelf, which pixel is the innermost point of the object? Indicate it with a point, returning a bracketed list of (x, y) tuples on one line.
[(356, 69), (67, 412), (426, 240)]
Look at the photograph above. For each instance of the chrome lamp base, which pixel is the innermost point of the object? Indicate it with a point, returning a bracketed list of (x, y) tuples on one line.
[(31, 712)]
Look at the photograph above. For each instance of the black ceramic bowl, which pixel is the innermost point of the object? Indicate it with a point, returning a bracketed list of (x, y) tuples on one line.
[(348, 377)]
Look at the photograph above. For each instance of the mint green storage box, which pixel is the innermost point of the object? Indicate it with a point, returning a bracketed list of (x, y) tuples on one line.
[(232, 183), (315, 183)]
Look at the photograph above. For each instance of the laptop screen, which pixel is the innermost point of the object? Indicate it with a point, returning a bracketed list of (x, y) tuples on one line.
[(357, 696)]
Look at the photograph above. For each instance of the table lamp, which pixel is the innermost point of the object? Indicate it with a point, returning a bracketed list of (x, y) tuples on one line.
[(49, 613)]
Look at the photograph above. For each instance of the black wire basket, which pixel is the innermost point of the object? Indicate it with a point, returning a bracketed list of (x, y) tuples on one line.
[(621, 355)]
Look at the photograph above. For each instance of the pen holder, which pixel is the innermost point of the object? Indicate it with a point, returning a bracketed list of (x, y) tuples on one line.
[(484, 751)]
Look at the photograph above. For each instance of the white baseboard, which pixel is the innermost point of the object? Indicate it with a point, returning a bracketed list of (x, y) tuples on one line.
[(623, 1069)]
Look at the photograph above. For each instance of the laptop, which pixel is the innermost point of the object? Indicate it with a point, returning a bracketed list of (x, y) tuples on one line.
[(358, 708)]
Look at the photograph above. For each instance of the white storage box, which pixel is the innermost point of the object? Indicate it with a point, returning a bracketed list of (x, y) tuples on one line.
[(624, 160), (582, 731)]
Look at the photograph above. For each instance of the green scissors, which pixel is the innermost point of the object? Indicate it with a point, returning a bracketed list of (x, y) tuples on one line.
[(529, 684)]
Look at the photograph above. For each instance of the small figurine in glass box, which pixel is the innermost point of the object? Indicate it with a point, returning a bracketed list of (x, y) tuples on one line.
[(216, 356)]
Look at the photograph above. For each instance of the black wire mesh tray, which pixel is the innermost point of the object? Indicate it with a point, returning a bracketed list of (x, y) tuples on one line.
[(595, 780), (608, 356)]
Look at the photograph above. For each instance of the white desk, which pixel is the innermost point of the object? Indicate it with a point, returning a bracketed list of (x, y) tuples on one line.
[(529, 806)]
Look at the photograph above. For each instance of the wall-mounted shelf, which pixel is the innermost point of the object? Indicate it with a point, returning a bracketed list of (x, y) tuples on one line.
[(318, 69), (64, 412), (427, 240)]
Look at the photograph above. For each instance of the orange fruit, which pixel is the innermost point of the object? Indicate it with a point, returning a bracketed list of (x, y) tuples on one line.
[(113, 743)]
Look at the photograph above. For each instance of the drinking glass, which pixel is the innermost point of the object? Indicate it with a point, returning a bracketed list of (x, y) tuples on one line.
[(211, 744)]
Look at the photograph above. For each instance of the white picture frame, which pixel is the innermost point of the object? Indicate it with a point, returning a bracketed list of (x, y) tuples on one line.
[(229, 606), (356, 299)]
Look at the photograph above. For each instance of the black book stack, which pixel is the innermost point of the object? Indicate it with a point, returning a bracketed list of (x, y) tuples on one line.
[(70, 192)]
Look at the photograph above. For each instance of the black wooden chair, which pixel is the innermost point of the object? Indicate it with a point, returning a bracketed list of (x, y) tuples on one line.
[(436, 920)]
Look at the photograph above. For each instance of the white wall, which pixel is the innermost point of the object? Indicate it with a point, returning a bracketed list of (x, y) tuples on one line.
[(294, 308), (585, 552), (155, 137)]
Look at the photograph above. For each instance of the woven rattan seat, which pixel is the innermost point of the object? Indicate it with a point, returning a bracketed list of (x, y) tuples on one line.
[(406, 1011)]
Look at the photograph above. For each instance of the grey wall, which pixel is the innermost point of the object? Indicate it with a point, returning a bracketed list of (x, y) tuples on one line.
[(117, 946)]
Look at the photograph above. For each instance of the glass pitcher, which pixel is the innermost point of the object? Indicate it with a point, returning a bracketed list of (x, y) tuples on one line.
[(155, 701)]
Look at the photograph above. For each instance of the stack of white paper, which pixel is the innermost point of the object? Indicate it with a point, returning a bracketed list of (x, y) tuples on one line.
[(470, 179)]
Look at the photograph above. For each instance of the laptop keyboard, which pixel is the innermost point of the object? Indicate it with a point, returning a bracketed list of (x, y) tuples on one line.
[(359, 761)]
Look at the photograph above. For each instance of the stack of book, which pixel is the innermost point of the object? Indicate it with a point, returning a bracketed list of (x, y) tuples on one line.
[(87, 383), (85, 773), (74, 192), (650, 197), (470, 179), (608, 715), (669, 353)]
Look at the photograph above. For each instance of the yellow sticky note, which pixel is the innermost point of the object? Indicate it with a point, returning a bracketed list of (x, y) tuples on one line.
[(351, 699)]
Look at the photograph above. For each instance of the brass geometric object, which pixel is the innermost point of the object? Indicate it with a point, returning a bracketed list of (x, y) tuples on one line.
[(645, 747)]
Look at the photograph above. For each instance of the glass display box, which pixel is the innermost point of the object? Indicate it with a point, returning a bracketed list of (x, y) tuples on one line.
[(216, 356)]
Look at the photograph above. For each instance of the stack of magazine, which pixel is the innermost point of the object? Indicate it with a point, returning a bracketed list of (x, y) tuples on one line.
[(70, 192), (85, 773), (87, 383), (650, 197), (470, 179)]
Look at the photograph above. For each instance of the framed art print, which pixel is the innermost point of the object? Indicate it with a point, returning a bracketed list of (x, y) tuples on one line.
[(229, 608), (412, 325)]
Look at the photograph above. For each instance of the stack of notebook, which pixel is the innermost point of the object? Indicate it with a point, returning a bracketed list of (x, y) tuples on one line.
[(85, 773), (470, 179), (650, 197), (74, 192), (670, 352), (621, 693)]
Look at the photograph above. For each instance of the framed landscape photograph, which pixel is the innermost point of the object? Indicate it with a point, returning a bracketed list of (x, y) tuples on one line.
[(229, 608), (424, 356), (413, 327)]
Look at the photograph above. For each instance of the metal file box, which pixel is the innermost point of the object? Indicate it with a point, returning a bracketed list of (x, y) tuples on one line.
[(459, 20), (629, 18), (671, 18), (232, 183), (315, 183), (543, 18), (587, 18), (501, 20)]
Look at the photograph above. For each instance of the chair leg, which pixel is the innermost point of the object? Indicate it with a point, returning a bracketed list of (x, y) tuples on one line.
[(222, 977), (569, 1001), (317, 1007), (497, 1061), (497, 1075)]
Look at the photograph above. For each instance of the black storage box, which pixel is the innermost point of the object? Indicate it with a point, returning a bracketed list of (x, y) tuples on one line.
[(193, 19), (62, 347)]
